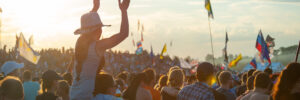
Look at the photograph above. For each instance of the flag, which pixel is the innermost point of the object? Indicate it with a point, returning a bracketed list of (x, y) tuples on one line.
[(26, 51), (133, 42), (142, 38), (152, 55), (184, 64), (31, 40), (163, 51), (225, 49), (235, 61), (208, 8), (262, 47), (270, 41), (139, 49), (138, 25), (151, 52), (253, 63), (139, 44)]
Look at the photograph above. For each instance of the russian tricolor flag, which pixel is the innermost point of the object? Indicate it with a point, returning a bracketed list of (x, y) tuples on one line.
[(253, 63), (262, 47)]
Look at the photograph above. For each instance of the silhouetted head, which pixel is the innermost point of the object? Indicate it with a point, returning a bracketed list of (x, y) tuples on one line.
[(288, 80), (205, 72)]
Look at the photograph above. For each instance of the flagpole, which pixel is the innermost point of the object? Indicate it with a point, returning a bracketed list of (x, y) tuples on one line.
[(212, 48), (296, 59)]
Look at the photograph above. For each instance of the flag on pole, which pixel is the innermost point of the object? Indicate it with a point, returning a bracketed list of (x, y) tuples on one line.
[(142, 38), (138, 24), (26, 51), (139, 44), (184, 64), (31, 40), (164, 50), (225, 49), (151, 52), (133, 42), (152, 55), (235, 61), (139, 48), (253, 63), (208, 8), (262, 47)]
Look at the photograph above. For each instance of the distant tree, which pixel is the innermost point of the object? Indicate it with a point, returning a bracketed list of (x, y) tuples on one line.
[(209, 57)]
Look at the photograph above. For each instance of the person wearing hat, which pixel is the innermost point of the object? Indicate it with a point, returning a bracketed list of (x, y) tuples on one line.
[(11, 68), (49, 85), (201, 89), (89, 50)]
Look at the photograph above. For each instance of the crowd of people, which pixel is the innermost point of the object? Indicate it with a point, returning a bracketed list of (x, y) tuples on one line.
[(205, 84), (89, 72)]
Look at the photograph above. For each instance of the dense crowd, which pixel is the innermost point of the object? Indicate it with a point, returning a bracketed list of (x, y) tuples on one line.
[(91, 71), (206, 84)]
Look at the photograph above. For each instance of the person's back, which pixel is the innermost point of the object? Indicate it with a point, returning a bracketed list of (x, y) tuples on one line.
[(169, 93), (11, 89), (89, 50), (143, 94), (225, 79), (31, 90), (261, 84), (199, 90)]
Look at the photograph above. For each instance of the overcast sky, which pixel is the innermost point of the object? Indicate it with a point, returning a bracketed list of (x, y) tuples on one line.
[(185, 22)]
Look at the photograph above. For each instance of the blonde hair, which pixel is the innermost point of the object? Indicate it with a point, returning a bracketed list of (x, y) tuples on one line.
[(171, 69), (175, 78)]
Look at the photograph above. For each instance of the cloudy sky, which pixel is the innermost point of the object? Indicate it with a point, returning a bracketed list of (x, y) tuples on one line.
[(185, 22)]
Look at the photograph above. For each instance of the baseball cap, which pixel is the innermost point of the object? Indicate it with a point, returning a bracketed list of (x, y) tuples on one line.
[(10, 66)]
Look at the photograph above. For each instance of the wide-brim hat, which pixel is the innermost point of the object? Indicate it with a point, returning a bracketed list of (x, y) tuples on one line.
[(89, 22)]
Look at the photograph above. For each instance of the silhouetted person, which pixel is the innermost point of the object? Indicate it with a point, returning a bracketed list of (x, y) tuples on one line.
[(201, 89), (31, 88), (11, 89), (226, 81), (288, 83), (89, 50)]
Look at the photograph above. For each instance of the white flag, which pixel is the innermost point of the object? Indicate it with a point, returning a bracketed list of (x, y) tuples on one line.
[(26, 51), (184, 64)]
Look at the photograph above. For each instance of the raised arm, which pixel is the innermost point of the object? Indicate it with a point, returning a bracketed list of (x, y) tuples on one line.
[(124, 30), (96, 5)]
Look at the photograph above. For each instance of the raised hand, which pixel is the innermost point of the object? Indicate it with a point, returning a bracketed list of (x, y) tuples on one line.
[(124, 5), (96, 5)]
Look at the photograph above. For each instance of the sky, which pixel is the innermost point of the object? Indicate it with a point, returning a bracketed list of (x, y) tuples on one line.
[(184, 22)]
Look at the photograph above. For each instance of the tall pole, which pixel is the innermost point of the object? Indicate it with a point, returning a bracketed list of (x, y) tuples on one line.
[(0, 27), (296, 59), (211, 43)]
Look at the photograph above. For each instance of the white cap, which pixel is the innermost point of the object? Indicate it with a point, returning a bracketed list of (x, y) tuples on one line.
[(10, 66)]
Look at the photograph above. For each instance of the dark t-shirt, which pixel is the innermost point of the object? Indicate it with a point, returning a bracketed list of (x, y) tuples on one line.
[(229, 95), (240, 90), (46, 96)]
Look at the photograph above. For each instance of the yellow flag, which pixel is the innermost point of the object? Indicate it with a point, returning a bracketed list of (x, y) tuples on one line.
[(164, 50), (26, 51), (235, 61), (208, 8)]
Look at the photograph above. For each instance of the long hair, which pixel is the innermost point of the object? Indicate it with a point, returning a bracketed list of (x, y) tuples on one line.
[(130, 93), (81, 51), (286, 81)]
